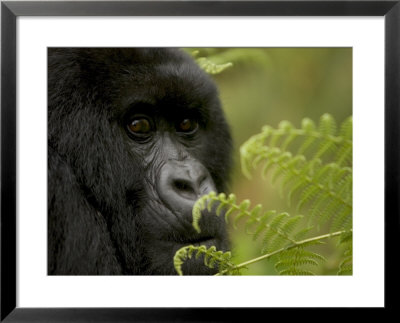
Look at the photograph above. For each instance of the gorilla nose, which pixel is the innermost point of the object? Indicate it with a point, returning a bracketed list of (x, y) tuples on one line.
[(185, 188), (182, 183)]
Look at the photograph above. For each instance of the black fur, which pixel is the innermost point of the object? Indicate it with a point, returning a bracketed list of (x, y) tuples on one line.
[(106, 215)]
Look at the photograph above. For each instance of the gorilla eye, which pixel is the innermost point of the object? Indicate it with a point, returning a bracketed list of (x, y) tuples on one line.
[(139, 126), (187, 125)]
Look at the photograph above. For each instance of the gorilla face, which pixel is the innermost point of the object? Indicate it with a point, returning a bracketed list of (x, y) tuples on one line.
[(136, 136)]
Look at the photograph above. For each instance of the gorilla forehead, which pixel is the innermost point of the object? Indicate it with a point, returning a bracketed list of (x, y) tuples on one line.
[(168, 82), (169, 86), (122, 77)]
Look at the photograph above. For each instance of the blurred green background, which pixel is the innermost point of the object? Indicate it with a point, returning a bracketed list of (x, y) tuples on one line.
[(268, 85)]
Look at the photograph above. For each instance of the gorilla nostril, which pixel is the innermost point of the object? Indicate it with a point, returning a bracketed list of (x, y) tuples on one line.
[(185, 189)]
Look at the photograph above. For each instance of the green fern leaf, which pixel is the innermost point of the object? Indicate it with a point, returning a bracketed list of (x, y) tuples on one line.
[(324, 181), (212, 258), (327, 125), (312, 163), (211, 67)]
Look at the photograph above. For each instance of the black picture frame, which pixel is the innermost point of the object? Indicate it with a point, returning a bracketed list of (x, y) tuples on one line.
[(10, 10)]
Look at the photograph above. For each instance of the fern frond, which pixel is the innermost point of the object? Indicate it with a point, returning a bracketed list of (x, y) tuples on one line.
[(309, 128), (327, 125), (211, 64), (319, 171), (315, 164), (298, 261), (212, 257), (346, 266), (276, 229), (237, 56), (210, 67)]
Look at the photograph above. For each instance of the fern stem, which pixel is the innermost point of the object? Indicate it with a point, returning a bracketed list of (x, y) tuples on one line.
[(291, 246)]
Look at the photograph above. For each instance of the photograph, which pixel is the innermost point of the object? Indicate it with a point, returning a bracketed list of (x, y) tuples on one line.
[(200, 161), (192, 161)]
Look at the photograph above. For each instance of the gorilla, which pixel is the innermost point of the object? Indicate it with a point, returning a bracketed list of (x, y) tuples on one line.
[(135, 137)]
